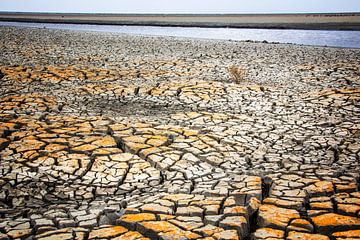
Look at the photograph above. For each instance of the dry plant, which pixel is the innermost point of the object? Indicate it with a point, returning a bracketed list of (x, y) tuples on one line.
[(237, 73)]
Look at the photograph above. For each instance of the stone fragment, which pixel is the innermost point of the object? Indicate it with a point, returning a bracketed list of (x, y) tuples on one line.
[(298, 205), (301, 225), (332, 222), (85, 148), (321, 188), (226, 235), (347, 234), (64, 223), (187, 223), (178, 197), (189, 211), (59, 236), (268, 233), (156, 208), (131, 236), (130, 220), (106, 141), (88, 223), (20, 233), (107, 232), (208, 230), (236, 211), (351, 187), (238, 223), (64, 233), (211, 209), (178, 235), (305, 236), (165, 216), (348, 209), (328, 206), (152, 229), (272, 216), (41, 222), (213, 219), (27, 145)]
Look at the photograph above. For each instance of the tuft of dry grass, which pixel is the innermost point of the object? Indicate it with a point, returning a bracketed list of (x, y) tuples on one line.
[(237, 73)]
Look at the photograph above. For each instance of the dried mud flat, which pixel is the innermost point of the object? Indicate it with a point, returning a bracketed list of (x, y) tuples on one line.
[(109, 136)]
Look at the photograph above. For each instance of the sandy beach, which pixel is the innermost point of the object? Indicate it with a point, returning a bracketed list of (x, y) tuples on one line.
[(330, 21), (114, 136)]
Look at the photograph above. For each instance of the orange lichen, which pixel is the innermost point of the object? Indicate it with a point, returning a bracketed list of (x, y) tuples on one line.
[(209, 230), (26, 145), (272, 215), (19, 233), (237, 210), (264, 233), (320, 188), (131, 236), (139, 217), (305, 236), (333, 219), (347, 234), (105, 142), (228, 235), (55, 147), (160, 226), (179, 235), (85, 147), (107, 232)]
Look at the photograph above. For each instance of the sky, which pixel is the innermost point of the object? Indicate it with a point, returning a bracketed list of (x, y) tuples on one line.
[(181, 6)]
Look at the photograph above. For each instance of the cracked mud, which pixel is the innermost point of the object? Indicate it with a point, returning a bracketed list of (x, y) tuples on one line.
[(109, 136)]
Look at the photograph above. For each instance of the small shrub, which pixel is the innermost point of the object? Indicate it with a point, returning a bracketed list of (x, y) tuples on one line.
[(237, 73)]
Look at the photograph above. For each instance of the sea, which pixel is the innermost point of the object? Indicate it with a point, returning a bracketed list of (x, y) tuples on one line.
[(329, 38)]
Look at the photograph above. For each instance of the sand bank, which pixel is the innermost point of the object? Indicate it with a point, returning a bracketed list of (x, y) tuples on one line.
[(340, 21)]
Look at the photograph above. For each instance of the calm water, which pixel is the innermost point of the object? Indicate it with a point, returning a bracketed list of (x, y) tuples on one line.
[(348, 39)]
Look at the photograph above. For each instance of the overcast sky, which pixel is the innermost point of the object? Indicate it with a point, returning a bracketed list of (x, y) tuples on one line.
[(181, 6)]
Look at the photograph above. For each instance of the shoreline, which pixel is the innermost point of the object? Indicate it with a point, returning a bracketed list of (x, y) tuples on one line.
[(271, 36), (340, 21)]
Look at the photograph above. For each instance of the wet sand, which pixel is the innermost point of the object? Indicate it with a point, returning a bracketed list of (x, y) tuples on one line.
[(339, 21)]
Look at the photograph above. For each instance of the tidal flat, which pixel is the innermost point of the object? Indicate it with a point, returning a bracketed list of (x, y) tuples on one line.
[(319, 21), (116, 136)]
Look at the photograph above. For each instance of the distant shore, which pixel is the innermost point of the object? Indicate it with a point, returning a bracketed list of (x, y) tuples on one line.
[(321, 21)]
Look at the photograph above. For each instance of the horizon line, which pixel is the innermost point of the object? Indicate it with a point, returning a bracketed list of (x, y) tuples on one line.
[(177, 13)]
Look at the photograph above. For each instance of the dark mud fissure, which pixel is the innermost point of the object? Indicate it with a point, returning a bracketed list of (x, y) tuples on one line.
[(253, 219)]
